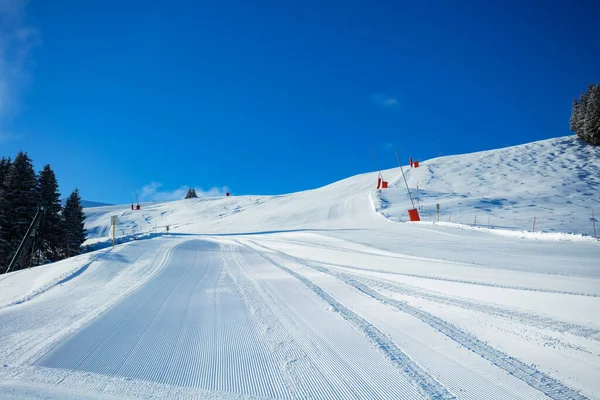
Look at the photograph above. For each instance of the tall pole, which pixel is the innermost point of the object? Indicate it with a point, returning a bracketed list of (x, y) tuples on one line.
[(32, 227), (594, 222), (406, 183)]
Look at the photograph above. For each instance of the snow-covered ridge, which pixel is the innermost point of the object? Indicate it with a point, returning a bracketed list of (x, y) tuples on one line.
[(557, 181)]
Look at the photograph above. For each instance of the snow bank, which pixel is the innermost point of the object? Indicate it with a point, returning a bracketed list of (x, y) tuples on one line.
[(25, 284)]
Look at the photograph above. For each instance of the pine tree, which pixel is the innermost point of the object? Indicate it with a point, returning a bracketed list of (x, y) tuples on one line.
[(4, 167), (585, 115), (18, 205), (583, 100), (575, 116), (51, 231), (191, 194), (74, 220), (591, 123)]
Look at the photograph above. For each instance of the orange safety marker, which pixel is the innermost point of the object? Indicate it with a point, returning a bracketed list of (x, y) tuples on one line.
[(413, 215)]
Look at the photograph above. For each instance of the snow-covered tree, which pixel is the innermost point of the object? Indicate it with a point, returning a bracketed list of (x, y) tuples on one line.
[(585, 115), (591, 123)]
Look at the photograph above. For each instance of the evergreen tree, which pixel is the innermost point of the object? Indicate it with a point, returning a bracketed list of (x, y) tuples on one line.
[(583, 99), (191, 194), (575, 116), (581, 114), (591, 123), (585, 115), (18, 205), (4, 167), (74, 220), (51, 231)]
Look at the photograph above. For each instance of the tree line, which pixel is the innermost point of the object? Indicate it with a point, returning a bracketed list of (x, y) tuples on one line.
[(23, 192), (585, 115)]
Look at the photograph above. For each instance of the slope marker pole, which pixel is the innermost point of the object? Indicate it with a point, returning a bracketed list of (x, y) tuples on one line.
[(404, 176)]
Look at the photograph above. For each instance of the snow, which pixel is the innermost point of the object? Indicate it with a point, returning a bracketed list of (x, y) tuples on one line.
[(555, 180), (25, 284), (327, 293)]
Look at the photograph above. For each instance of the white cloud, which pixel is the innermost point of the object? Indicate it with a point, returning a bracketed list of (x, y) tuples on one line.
[(17, 38), (383, 100), (152, 192)]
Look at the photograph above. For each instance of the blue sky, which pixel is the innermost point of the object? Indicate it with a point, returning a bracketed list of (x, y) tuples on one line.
[(268, 97)]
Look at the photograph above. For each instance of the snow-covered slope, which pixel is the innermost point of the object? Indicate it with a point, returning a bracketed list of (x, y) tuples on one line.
[(556, 180), (322, 294), (344, 204)]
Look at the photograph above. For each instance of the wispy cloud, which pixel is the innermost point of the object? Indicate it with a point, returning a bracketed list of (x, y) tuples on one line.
[(384, 100), (17, 38), (4, 136), (152, 192)]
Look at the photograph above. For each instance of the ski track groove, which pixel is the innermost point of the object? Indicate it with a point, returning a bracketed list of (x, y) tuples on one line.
[(348, 394), (524, 317), (99, 363), (479, 283), (429, 387), (47, 312), (330, 379), (313, 382), (337, 377), (162, 338), (533, 377), (188, 327), (471, 264)]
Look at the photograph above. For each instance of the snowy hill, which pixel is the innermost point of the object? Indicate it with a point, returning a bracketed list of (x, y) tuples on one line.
[(88, 204), (555, 180), (326, 294)]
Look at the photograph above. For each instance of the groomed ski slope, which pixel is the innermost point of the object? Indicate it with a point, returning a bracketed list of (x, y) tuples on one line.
[(321, 294)]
